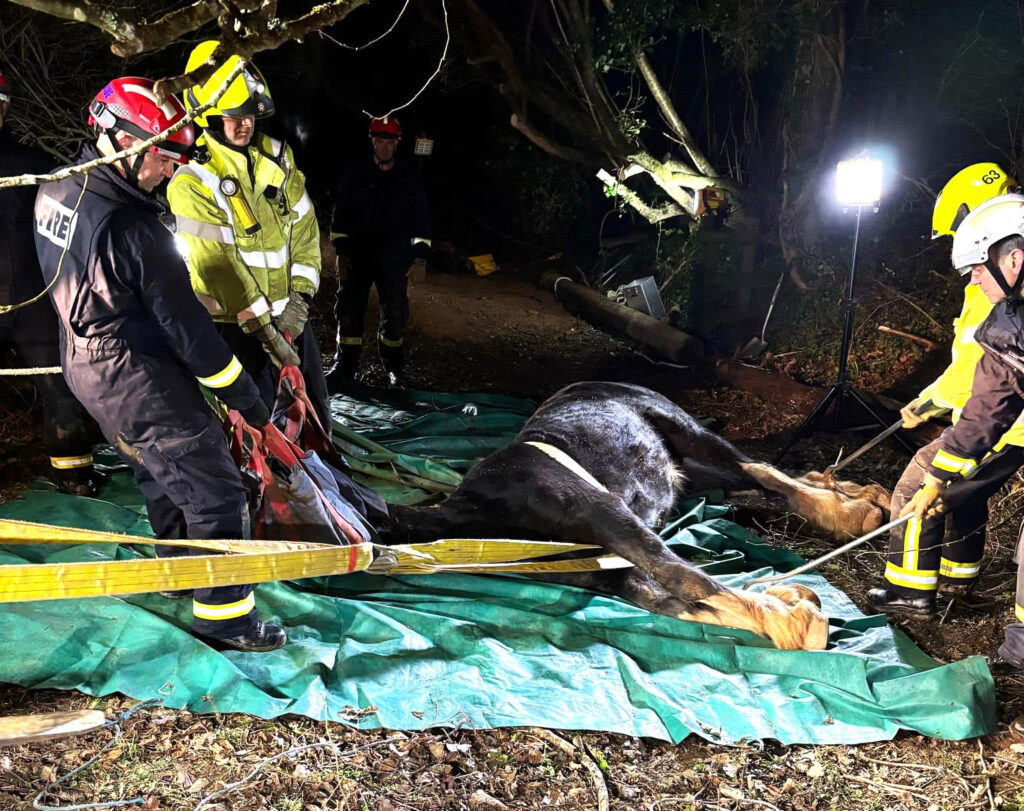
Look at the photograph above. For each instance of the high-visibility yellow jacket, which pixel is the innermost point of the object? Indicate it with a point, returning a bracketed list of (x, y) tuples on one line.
[(241, 273), (952, 388)]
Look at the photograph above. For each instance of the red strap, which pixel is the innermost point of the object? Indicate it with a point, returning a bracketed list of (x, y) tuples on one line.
[(303, 414), (291, 454)]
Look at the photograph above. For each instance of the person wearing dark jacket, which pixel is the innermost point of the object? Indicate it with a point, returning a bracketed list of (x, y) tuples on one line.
[(137, 344), (31, 330), (989, 242), (381, 231)]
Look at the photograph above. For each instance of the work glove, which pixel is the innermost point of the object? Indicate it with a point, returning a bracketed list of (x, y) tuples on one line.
[(274, 344), (257, 414), (912, 419), (923, 502), (417, 271), (292, 319)]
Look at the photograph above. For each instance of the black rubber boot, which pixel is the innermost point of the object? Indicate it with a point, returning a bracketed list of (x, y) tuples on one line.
[(259, 638), (891, 602)]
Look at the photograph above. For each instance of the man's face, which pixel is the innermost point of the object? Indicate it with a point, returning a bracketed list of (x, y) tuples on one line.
[(1010, 265), (384, 147), (155, 169), (238, 131)]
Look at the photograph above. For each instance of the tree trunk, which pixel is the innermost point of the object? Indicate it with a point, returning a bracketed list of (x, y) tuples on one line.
[(815, 93)]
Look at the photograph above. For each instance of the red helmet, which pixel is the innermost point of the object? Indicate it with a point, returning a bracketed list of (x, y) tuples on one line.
[(387, 126), (129, 104), (5, 89)]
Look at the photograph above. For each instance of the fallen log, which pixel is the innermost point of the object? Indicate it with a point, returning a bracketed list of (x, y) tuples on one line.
[(667, 342)]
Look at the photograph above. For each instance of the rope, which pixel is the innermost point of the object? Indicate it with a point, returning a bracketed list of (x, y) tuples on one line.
[(116, 726), (34, 370)]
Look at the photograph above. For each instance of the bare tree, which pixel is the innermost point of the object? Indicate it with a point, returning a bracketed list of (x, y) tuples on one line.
[(245, 27)]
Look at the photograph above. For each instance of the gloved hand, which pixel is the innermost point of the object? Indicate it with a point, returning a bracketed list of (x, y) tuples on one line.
[(294, 316), (274, 344), (257, 414), (923, 502), (912, 420), (417, 271)]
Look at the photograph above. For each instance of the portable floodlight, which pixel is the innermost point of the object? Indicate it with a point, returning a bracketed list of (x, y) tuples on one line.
[(859, 186), (859, 182)]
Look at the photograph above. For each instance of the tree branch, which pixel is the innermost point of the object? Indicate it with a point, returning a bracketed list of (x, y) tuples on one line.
[(649, 213)]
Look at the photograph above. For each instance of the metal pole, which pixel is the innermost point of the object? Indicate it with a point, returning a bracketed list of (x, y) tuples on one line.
[(814, 564), (850, 305)]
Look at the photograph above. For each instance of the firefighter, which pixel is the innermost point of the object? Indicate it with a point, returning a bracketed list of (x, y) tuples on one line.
[(31, 331), (250, 232), (381, 231), (990, 243), (135, 341), (914, 575)]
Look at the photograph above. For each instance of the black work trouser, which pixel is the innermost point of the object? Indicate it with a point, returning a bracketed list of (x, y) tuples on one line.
[(257, 363), (947, 547), (151, 410), (69, 432), (194, 490), (388, 273)]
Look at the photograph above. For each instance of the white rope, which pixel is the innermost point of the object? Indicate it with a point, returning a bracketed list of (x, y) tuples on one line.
[(36, 370)]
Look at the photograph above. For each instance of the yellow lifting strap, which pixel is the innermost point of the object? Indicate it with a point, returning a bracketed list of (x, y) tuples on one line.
[(252, 561)]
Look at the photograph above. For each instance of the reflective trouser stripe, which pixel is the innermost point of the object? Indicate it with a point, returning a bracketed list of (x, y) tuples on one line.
[(225, 377), (1018, 610), (389, 342), (418, 240), (68, 462), (224, 612), (911, 544), (350, 341), (920, 579), (963, 571), (338, 235)]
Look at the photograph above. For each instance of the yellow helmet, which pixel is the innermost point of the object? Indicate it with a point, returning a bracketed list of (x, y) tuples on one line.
[(965, 191), (247, 94)]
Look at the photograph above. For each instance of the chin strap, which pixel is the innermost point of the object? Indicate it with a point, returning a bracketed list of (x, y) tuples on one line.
[(1011, 292), (131, 167)]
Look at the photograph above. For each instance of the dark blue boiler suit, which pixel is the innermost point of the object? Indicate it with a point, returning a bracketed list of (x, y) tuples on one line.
[(134, 343)]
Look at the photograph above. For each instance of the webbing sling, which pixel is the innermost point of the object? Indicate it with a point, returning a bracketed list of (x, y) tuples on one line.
[(261, 562)]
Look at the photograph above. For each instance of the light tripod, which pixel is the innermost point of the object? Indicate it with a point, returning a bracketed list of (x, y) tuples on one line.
[(842, 389)]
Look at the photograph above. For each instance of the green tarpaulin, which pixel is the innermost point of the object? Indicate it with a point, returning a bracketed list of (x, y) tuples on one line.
[(486, 651)]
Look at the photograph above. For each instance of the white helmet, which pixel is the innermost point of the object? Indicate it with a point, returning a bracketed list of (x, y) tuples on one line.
[(992, 221)]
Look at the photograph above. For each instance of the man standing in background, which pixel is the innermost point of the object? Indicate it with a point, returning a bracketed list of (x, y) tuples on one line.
[(381, 230)]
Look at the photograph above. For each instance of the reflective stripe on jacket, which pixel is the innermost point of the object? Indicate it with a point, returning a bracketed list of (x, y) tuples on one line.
[(997, 395), (246, 277), (952, 388)]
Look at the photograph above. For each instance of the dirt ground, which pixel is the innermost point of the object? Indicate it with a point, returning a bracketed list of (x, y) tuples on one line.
[(503, 334)]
